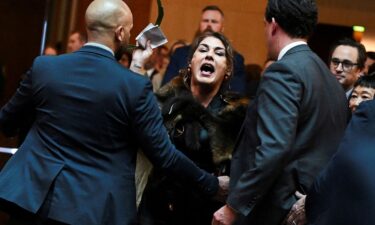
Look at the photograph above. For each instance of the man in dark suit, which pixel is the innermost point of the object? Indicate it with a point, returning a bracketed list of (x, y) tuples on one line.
[(344, 193), (212, 20), (76, 165), (293, 127)]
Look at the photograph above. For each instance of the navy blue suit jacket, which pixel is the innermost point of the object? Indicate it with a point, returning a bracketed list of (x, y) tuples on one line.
[(92, 115), (344, 193), (179, 60)]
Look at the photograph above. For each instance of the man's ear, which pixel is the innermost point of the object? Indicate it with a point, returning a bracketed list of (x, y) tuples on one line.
[(359, 73), (274, 26), (119, 32)]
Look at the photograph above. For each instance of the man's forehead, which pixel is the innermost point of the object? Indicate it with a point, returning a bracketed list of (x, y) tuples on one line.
[(212, 13), (345, 51)]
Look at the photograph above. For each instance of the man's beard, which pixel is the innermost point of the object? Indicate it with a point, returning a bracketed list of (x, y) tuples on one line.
[(119, 52), (209, 28)]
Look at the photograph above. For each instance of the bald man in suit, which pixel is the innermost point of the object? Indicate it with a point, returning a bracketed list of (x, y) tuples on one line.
[(77, 163)]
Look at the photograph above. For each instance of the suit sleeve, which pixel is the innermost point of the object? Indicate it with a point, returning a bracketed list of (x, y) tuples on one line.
[(279, 98), (346, 178), (14, 114), (156, 144)]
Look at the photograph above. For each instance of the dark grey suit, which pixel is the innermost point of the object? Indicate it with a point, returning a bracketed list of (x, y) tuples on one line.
[(289, 134), (77, 162)]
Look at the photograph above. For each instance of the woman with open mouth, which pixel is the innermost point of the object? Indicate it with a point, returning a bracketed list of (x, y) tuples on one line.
[(203, 119)]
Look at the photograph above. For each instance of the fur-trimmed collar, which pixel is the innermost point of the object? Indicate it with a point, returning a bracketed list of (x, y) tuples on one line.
[(222, 121)]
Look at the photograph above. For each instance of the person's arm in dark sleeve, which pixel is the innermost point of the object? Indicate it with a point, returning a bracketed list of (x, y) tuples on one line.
[(13, 114), (339, 186), (155, 142)]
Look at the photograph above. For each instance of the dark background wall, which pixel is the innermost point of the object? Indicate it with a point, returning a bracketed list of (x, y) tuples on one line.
[(21, 28)]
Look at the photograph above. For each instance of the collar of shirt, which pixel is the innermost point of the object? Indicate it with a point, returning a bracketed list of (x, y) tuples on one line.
[(100, 46), (288, 47), (348, 93)]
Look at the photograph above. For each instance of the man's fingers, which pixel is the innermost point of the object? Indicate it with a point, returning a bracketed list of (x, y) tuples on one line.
[(299, 195)]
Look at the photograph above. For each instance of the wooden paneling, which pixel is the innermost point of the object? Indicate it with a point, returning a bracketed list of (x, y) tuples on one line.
[(244, 21), (141, 16)]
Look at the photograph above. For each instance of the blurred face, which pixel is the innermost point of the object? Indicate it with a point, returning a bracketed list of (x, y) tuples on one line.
[(209, 63), (211, 20), (163, 58), (344, 66), (368, 63), (50, 51), (359, 95), (124, 61), (74, 43)]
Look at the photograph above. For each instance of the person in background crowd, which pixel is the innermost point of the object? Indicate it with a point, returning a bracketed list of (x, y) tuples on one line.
[(124, 57), (177, 44), (371, 69), (155, 66), (76, 41), (212, 19), (364, 90), (49, 50), (346, 62), (370, 60)]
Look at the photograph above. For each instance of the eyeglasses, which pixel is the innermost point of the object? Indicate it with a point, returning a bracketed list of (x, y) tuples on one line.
[(346, 65)]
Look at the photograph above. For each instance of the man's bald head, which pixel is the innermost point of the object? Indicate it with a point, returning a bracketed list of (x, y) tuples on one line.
[(108, 19)]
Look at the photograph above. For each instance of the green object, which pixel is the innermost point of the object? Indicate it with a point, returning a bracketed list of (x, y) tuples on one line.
[(131, 47), (359, 28), (160, 13)]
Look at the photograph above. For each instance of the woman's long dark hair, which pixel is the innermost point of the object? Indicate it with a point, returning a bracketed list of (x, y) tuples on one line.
[(186, 73)]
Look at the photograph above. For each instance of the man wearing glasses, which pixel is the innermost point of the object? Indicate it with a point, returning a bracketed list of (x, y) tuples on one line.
[(347, 62)]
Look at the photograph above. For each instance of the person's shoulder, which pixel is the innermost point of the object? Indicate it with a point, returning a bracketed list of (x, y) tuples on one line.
[(238, 56), (365, 110), (184, 50)]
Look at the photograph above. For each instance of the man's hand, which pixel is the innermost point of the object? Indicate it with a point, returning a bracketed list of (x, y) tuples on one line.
[(297, 214), (223, 188), (140, 57), (224, 216)]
